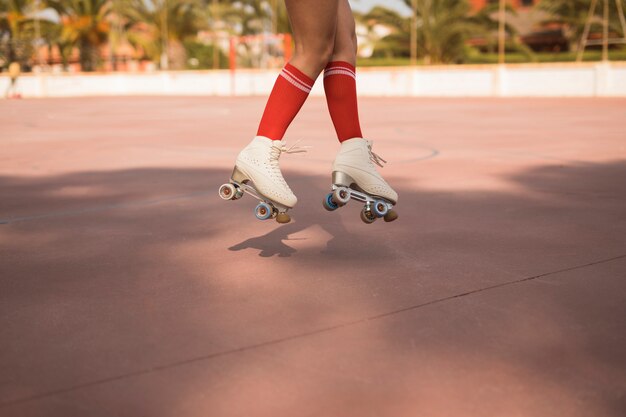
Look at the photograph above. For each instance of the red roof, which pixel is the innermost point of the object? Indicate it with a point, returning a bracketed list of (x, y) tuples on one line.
[(479, 4)]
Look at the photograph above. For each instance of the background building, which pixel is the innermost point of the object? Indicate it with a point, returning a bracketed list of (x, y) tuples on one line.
[(479, 4)]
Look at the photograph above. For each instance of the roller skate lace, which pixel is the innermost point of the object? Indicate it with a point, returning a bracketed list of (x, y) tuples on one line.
[(375, 158), (275, 152)]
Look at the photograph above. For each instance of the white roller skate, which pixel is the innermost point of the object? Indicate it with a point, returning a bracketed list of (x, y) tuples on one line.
[(258, 163), (355, 177)]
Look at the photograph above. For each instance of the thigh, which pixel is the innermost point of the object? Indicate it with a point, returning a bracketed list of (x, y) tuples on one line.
[(312, 22), (345, 39)]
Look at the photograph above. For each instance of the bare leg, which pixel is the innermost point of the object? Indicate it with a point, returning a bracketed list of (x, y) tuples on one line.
[(10, 88), (313, 23), (340, 77), (345, 37)]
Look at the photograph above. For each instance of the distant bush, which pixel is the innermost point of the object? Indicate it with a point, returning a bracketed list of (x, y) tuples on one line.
[(511, 58), (545, 57), (200, 56)]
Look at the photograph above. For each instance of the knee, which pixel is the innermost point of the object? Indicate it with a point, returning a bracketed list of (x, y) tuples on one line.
[(346, 48), (325, 54), (316, 54)]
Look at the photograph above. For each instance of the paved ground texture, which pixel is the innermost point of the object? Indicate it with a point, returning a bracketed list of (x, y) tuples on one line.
[(128, 288)]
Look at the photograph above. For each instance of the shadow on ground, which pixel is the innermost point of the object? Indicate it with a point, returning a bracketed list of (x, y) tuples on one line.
[(109, 276)]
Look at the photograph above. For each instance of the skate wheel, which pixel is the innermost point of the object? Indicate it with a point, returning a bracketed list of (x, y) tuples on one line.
[(367, 216), (263, 211), (379, 208), (341, 196), (328, 203), (228, 192), (283, 218), (391, 216)]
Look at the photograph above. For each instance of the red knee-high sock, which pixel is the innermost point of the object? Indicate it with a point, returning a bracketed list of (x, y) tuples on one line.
[(286, 99), (340, 87)]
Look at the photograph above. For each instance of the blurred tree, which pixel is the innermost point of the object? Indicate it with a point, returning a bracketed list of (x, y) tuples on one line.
[(573, 14), (443, 28), (249, 17), (152, 25), (54, 35), (386, 32), (85, 24), (254, 17), (201, 56), (15, 40), (486, 23)]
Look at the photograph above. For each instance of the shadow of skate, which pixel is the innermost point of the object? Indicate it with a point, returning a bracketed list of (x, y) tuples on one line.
[(270, 244), (305, 215)]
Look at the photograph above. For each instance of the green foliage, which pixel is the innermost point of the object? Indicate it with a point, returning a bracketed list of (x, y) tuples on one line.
[(396, 43), (486, 27), (512, 58), (442, 27), (16, 41), (85, 24), (544, 57), (203, 55), (573, 14), (249, 17), (151, 24)]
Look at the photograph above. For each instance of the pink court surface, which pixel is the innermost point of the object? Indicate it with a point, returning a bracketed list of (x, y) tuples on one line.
[(129, 288)]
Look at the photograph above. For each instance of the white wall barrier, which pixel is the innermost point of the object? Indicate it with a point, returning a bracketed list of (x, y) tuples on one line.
[(523, 80)]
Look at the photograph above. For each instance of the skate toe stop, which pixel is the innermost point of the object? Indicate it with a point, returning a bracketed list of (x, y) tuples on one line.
[(391, 216), (283, 218)]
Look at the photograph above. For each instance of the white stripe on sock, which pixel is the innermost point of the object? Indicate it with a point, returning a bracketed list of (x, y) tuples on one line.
[(339, 71), (295, 82), (336, 67), (295, 77)]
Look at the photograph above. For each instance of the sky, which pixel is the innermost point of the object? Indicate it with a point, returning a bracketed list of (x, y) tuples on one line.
[(366, 5)]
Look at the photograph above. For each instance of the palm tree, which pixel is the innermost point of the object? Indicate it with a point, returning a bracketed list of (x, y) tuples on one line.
[(85, 25), (573, 14), (443, 28), (487, 24), (387, 33), (16, 41), (53, 34), (151, 25)]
